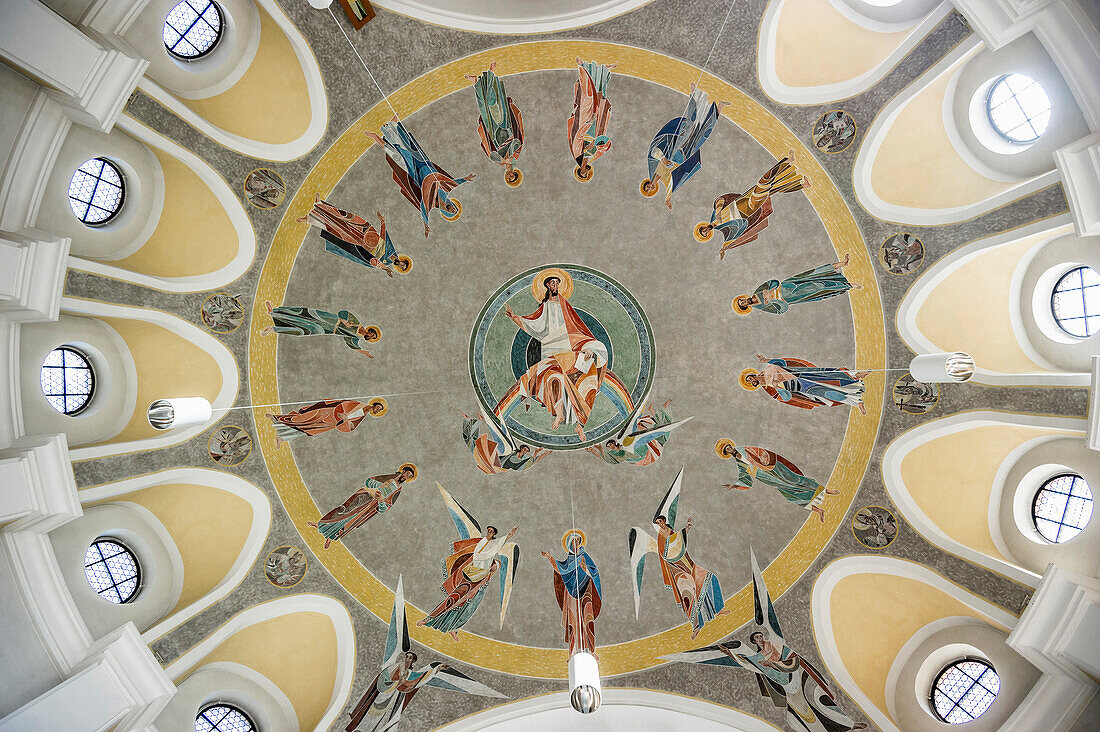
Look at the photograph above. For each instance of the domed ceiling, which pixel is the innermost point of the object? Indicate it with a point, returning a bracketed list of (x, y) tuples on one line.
[(354, 372)]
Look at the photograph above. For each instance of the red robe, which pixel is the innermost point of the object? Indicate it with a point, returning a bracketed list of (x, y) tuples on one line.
[(323, 416)]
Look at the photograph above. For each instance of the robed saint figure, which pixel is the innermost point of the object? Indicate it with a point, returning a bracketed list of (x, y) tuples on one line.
[(378, 494), (577, 590)]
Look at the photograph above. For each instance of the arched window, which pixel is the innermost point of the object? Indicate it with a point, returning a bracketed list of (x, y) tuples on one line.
[(1062, 507), (96, 191), (221, 717), (964, 689), (68, 381), (1075, 302), (1019, 109), (112, 570), (192, 29)]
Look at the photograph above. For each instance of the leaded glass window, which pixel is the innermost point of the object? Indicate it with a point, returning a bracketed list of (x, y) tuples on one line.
[(96, 191), (1062, 507), (964, 690), (1019, 108), (112, 570), (1075, 302), (68, 381), (192, 29), (223, 718)]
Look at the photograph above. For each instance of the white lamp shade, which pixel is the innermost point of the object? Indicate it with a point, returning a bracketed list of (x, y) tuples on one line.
[(942, 368), (584, 682), (167, 414), (320, 4)]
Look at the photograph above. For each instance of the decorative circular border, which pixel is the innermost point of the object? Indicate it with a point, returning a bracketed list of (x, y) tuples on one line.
[(648, 348), (248, 197), (897, 527), (821, 117), (244, 313), (906, 411), (251, 446), (748, 114), (295, 584)]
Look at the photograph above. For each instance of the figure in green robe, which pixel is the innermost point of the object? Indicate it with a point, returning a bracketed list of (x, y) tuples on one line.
[(757, 464), (500, 125), (301, 321), (819, 283)]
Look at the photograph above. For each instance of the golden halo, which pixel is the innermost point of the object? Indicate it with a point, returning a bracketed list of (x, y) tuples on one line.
[(414, 471), (378, 400), (569, 535), (404, 264), (378, 333), (744, 382), (737, 307), (721, 445), (538, 285)]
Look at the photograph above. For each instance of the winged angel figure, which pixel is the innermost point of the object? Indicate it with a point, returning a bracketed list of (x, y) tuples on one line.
[(473, 561), (493, 448), (697, 590), (783, 675), (396, 684), (641, 438)]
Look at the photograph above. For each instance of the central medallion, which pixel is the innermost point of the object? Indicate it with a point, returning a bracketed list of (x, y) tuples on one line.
[(561, 355)]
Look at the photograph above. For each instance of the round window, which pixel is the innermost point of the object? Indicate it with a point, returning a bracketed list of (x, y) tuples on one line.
[(964, 690), (1062, 507), (1018, 108), (192, 29), (223, 718), (96, 191), (68, 381), (1075, 302), (112, 570)]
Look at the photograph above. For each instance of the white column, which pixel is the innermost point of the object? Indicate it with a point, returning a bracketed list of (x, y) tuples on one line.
[(39, 491), (1079, 165), (119, 686), (92, 80), (32, 276)]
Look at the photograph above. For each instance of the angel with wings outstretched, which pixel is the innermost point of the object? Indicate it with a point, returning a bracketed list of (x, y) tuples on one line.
[(396, 684), (697, 590), (784, 677), (640, 440), (473, 561), (493, 448)]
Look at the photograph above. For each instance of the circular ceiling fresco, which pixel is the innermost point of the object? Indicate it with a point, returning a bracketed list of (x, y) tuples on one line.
[(577, 341)]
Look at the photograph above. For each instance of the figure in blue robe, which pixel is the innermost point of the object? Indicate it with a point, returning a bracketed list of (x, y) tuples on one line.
[(802, 384), (577, 590), (674, 153)]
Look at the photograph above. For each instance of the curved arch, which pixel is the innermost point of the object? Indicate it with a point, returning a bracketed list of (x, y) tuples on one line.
[(806, 30), (510, 18), (213, 115), (202, 364), (642, 710), (859, 640), (184, 180), (179, 493), (923, 469), (303, 644), (986, 279)]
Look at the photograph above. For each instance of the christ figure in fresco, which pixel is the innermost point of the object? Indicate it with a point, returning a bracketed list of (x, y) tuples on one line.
[(378, 494), (423, 183), (674, 153), (801, 384), (756, 464), (568, 377), (586, 128), (302, 321), (740, 217), (777, 296), (499, 124), (329, 414), (577, 590), (352, 237)]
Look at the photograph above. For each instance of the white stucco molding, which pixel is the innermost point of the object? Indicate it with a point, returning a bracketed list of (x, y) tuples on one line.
[(508, 18), (1079, 166), (315, 88), (39, 491), (119, 685), (30, 160), (32, 276), (899, 493), (809, 95), (822, 623), (327, 606)]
